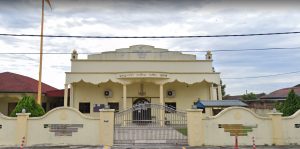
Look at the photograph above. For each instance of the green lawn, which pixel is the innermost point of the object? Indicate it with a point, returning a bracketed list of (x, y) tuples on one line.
[(182, 131)]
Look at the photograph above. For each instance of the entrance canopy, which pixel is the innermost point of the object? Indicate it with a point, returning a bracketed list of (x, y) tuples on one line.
[(127, 78)]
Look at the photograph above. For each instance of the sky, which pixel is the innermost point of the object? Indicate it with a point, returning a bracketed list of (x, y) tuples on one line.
[(157, 18)]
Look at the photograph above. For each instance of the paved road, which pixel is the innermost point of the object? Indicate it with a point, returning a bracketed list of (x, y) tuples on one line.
[(149, 147)]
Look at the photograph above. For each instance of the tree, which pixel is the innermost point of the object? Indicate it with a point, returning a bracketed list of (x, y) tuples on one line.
[(290, 105), (29, 104), (223, 86), (250, 96)]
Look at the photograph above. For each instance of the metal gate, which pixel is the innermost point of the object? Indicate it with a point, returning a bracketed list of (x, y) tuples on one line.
[(150, 123)]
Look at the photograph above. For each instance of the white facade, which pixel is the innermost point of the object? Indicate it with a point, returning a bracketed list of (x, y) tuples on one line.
[(141, 73)]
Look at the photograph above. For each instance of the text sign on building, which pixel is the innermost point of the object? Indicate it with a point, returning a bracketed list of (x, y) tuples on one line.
[(63, 129), (297, 125), (143, 75), (237, 129)]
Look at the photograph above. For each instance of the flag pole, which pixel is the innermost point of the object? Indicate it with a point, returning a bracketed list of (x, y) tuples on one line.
[(39, 99)]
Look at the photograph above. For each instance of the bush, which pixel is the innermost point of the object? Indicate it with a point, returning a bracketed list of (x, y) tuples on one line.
[(29, 104)]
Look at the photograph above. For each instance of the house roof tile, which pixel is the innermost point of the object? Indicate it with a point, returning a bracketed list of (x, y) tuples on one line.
[(281, 93), (12, 82)]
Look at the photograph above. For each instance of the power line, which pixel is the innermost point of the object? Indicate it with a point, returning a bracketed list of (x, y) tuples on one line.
[(264, 76), (183, 36), (189, 51)]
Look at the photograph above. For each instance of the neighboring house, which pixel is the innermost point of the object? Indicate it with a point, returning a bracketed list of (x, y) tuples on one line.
[(281, 94), (141, 74), (266, 103), (14, 86)]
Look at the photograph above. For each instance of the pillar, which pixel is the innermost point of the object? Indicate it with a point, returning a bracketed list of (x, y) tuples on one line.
[(66, 96), (124, 97), (161, 94), (277, 132), (219, 92), (161, 102), (106, 127), (195, 127), (71, 95), (211, 91), (22, 128)]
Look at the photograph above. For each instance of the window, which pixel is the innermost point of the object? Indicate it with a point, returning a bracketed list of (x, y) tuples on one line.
[(114, 105), (171, 105), (84, 107)]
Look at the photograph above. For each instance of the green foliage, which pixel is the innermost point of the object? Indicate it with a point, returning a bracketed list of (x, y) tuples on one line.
[(223, 86), (290, 105), (250, 96), (182, 131), (29, 104)]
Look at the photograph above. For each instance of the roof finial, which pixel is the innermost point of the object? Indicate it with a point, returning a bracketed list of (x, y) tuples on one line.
[(208, 55), (74, 55)]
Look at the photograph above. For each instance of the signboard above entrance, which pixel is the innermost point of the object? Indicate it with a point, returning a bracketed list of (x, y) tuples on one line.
[(143, 75)]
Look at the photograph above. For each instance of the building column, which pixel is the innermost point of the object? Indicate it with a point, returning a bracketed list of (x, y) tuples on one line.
[(219, 92), (66, 96), (161, 94), (161, 102), (211, 91), (71, 95), (124, 97)]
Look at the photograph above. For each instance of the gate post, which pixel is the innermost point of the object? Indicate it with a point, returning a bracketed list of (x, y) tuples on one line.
[(106, 127), (22, 129), (195, 127), (277, 136)]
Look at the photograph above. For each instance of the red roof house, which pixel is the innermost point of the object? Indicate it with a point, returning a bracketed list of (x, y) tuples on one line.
[(281, 93), (14, 86), (15, 83)]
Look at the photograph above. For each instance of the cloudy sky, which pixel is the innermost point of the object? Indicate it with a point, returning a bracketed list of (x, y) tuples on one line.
[(158, 18)]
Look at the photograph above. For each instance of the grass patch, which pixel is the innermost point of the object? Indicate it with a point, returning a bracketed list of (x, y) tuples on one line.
[(182, 131)]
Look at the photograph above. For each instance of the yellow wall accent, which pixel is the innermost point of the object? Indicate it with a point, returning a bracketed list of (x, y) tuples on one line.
[(202, 130)]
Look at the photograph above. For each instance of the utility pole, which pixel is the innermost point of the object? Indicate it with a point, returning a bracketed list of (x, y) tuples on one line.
[(39, 98)]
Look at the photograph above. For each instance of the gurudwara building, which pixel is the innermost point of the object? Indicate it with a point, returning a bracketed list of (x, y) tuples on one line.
[(140, 74)]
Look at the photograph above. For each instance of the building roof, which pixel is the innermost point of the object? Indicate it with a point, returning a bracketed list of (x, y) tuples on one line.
[(239, 97), (281, 93), (223, 103), (142, 52), (11, 82), (57, 93)]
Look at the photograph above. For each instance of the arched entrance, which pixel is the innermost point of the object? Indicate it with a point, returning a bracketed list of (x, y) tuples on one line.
[(142, 114)]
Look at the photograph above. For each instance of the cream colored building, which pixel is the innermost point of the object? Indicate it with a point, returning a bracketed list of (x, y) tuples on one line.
[(139, 74)]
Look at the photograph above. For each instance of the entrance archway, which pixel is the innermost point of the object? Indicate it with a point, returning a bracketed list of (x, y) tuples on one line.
[(142, 115)]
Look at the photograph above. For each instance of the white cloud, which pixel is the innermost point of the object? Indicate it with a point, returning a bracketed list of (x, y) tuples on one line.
[(136, 18)]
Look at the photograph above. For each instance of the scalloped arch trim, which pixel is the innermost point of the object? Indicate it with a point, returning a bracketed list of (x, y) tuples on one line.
[(293, 116), (61, 109), (238, 108), (7, 117)]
